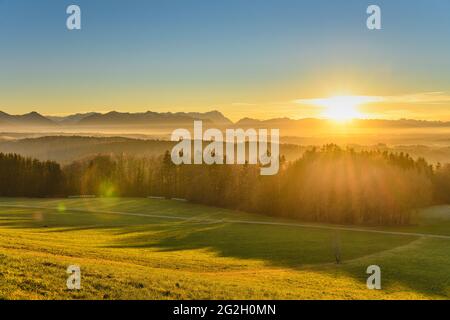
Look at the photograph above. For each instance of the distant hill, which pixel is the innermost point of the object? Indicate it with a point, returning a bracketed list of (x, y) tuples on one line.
[(131, 119), (282, 123), (71, 119), (155, 118), (29, 119), (357, 123), (66, 149), (214, 116)]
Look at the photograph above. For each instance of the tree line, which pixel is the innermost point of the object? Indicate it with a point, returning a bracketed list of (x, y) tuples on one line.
[(26, 177), (327, 184)]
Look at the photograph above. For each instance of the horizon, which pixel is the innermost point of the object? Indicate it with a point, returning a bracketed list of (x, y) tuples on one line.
[(223, 114)]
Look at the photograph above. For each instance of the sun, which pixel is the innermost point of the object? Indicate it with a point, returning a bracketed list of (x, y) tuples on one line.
[(341, 108)]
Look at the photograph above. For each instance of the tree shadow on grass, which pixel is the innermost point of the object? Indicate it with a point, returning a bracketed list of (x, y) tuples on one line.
[(303, 248), (278, 245)]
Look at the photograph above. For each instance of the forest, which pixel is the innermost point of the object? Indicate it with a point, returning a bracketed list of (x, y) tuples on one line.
[(328, 184)]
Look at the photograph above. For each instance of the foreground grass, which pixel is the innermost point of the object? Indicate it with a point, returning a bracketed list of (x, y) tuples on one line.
[(135, 257)]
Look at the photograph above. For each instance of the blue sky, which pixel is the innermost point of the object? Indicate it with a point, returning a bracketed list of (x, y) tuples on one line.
[(237, 56)]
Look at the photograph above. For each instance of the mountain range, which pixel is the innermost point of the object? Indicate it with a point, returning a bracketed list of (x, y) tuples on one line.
[(113, 118), (29, 119), (151, 119)]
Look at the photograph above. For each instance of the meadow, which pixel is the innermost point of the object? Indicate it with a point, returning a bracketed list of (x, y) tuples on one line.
[(130, 248)]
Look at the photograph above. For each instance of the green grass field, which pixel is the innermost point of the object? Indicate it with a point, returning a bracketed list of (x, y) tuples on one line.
[(208, 253)]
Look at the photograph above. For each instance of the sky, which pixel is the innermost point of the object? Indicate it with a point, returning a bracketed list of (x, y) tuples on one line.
[(245, 58)]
